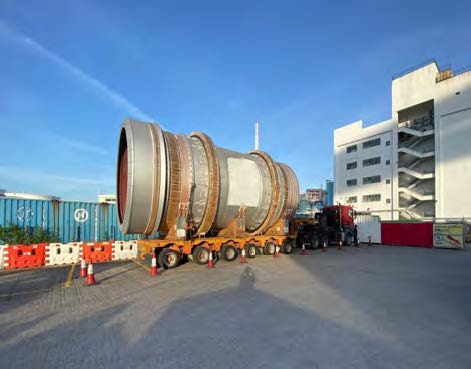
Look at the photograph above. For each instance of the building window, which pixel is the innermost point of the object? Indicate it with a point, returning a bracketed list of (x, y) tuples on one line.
[(352, 200), (372, 143), (372, 198), (351, 182), (351, 165), (388, 162), (388, 143), (372, 179), (388, 181), (352, 148), (388, 201), (371, 161)]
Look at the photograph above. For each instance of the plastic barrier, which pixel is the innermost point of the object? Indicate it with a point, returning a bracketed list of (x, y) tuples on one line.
[(21, 256), (3, 255), (96, 252), (62, 253), (407, 234), (124, 250)]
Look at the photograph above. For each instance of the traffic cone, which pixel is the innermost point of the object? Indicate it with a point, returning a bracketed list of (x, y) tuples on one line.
[(277, 252), (340, 245), (243, 259), (83, 269), (303, 250), (90, 275), (324, 247), (357, 244), (153, 266), (210, 260), (369, 241)]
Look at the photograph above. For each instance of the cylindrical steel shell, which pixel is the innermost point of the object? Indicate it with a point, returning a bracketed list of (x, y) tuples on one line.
[(162, 177)]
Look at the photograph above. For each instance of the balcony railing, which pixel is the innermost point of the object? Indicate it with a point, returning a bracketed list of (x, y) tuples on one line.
[(422, 124)]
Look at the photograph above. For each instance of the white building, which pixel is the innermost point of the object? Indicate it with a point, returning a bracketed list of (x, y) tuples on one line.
[(418, 163)]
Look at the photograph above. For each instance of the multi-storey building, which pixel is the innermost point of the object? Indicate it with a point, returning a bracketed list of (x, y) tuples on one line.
[(315, 194), (418, 163)]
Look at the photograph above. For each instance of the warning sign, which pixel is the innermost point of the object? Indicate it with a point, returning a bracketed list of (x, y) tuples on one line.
[(448, 236)]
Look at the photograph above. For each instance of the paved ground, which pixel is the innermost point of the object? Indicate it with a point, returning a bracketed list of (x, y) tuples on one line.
[(381, 307)]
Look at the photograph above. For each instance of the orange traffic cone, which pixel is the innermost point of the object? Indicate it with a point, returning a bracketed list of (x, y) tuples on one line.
[(357, 244), (369, 241), (153, 266), (340, 245), (83, 269), (277, 252), (243, 259), (90, 275), (210, 260), (303, 250), (324, 247)]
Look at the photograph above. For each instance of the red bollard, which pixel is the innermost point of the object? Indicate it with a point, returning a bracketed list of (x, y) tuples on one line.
[(90, 276), (277, 252), (303, 250), (210, 259), (153, 267), (243, 259), (83, 269)]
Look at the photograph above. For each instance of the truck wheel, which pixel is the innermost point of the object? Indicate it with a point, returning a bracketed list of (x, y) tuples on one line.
[(168, 258), (348, 239), (228, 252), (315, 241), (287, 246), (201, 255), (269, 248), (250, 250)]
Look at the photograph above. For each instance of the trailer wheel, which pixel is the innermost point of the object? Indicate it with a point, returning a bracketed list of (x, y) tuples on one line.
[(169, 259), (228, 252), (287, 247), (201, 255), (348, 239), (270, 248), (250, 250), (315, 241)]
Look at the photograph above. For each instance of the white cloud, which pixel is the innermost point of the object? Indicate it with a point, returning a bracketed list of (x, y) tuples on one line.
[(105, 91)]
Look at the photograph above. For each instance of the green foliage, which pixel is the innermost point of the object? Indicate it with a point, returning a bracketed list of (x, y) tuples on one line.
[(14, 234)]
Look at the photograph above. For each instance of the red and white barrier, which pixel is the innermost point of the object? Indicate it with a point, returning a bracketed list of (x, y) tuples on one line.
[(124, 250), (3, 256), (63, 253)]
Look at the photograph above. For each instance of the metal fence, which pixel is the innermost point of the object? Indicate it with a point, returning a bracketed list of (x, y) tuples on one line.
[(69, 220)]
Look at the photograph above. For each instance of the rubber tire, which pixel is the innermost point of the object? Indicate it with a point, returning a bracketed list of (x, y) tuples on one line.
[(167, 254), (269, 248), (287, 246), (197, 251), (315, 244), (250, 250), (225, 249), (348, 241)]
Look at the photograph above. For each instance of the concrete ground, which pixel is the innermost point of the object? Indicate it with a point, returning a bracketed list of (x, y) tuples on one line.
[(378, 307)]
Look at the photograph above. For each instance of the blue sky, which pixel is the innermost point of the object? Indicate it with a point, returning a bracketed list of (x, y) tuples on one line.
[(71, 71)]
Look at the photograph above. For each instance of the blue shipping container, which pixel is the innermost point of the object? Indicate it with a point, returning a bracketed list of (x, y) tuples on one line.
[(69, 220)]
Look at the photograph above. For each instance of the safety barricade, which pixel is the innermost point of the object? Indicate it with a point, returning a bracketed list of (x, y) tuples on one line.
[(96, 252), (62, 253), (4, 252), (22, 256), (124, 250)]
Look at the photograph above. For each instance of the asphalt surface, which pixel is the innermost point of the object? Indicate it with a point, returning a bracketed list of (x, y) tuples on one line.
[(378, 307)]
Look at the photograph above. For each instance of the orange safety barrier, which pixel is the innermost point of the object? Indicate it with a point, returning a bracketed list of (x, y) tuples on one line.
[(96, 252), (22, 256)]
